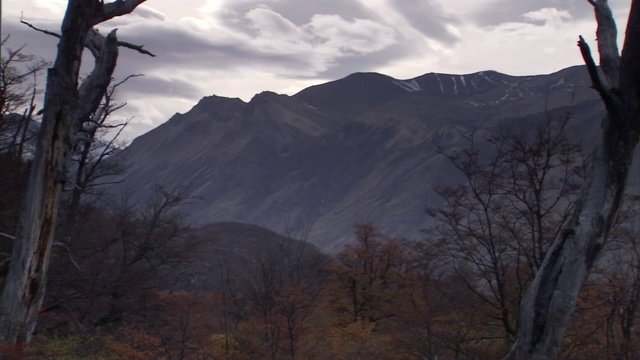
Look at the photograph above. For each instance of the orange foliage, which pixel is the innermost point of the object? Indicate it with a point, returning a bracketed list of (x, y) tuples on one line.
[(378, 299)]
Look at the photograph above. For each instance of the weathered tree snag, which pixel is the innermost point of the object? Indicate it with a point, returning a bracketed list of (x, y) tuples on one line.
[(66, 107), (551, 298)]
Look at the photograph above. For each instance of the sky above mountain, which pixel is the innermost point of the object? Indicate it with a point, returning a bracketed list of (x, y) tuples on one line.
[(237, 48)]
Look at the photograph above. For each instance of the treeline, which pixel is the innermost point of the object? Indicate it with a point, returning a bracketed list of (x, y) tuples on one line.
[(379, 298)]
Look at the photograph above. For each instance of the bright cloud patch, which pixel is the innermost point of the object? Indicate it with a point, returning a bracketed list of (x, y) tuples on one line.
[(149, 13), (357, 36), (242, 47), (310, 48), (547, 15), (324, 38), (271, 25)]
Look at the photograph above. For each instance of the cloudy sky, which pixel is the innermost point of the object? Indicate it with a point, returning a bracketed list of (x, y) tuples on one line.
[(237, 48)]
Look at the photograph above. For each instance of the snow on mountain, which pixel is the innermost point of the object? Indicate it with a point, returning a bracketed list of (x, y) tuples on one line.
[(365, 148)]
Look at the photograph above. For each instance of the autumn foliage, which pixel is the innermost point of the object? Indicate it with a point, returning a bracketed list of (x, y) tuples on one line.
[(378, 298)]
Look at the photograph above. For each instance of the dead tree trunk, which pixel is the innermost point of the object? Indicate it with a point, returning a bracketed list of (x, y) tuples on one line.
[(67, 105), (550, 299)]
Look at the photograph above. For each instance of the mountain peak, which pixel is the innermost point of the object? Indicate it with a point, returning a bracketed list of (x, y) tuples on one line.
[(359, 149), (353, 95), (264, 95)]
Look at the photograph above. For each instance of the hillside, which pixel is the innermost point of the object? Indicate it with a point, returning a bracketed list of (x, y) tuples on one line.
[(360, 149), (235, 251)]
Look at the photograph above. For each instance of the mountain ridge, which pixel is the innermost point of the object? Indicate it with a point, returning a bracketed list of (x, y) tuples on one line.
[(362, 148)]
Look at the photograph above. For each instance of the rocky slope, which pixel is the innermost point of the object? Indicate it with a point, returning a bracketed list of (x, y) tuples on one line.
[(359, 149)]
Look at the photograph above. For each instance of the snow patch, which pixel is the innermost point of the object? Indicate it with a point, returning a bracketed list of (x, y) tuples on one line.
[(559, 83), (502, 99), (410, 86), (455, 85), (464, 83), (474, 82), (481, 73), (441, 88)]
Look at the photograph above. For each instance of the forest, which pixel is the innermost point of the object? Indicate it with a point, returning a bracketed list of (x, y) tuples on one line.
[(534, 255)]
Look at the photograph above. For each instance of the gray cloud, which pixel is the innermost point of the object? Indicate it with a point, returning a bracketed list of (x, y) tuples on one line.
[(257, 41), (184, 50), (135, 128), (159, 87), (300, 12), (349, 37), (148, 12), (512, 11), (365, 63), (276, 45), (36, 43), (426, 17)]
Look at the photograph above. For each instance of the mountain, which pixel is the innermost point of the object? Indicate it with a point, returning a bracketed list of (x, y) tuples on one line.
[(360, 149)]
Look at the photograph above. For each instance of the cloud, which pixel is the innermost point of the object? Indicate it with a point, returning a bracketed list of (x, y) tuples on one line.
[(264, 50), (54, 9), (428, 18), (269, 25), (547, 15), (267, 39), (358, 36), (504, 11), (238, 48), (315, 46), (148, 12), (296, 11), (542, 43), (153, 86)]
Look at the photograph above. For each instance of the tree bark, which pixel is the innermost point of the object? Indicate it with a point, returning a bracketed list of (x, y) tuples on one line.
[(551, 298), (66, 106)]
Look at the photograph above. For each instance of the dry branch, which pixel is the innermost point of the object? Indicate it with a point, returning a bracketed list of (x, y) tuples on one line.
[(138, 48), (67, 107)]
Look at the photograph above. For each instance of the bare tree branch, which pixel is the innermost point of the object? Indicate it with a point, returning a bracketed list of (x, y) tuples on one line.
[(122, 82), (64, 246), (138, 48), (116, 8), (592, 68), (7, 236), (93, 88), (40, 30)]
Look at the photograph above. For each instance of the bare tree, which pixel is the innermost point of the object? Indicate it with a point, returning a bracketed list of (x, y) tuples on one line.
[(102, 140), (283, 292), (67, 105), (494, 229), (126, 252), (18, 90), (547, 306), (147, 245), (618, 275)]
